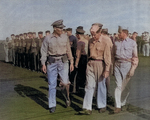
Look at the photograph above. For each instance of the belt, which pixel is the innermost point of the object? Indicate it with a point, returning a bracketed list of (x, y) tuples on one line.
[(57, 55), (95, 59), (123, 59)]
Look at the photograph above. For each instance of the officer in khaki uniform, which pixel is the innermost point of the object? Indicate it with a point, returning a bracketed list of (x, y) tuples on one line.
[(28, 50), (20, 50), (16, 49), (97, 69), (57, 47), (39, 44), (23, 50), (34, 51), (81, 58)]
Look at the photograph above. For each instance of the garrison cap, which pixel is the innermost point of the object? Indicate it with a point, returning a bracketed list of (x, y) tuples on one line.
[(12, 35), (80, 30), (99, 24), (58, 23), (40, 32), (29, 32), (69, 29), (105, 30)]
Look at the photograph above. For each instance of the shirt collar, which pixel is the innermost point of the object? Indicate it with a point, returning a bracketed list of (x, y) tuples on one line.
[(53, 35), (100, 39)]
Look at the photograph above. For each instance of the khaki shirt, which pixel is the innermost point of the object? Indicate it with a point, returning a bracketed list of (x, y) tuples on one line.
[(82, 49), (34, 45), (101, 49), (53, 45), (28, 45)]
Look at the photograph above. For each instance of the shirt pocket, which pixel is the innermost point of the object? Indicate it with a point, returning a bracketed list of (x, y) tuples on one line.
[(99, 51), (128, 51)]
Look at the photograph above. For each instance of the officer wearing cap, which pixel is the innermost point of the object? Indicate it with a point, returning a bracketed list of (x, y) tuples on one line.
[(57, 46), (81, 58), (16, 49), (73, 44), (28, 49), (125, 59), (39, 44), (34, 52), (20, 50), (97, 69)]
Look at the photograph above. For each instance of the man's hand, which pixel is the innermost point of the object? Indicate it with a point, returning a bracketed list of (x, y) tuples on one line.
[(131, 72), (71, 67), (106, 74), (44, 69)]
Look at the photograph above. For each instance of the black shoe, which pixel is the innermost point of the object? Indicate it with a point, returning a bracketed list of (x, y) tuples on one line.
[(52, 110)]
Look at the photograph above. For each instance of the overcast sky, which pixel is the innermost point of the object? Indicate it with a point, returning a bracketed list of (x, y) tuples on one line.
[(19, 16)]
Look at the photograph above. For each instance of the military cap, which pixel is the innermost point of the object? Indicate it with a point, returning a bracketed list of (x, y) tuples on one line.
[(40, 32), (99, 24), (80, 30), (58, 23), (105, 30), (29, 32), (12, 35), (69, 29), (47, 31)]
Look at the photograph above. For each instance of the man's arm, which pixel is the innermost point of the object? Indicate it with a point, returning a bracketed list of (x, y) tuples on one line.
[(69, 55), (44, 49), (107, 59), (78, 54), (134, 61)]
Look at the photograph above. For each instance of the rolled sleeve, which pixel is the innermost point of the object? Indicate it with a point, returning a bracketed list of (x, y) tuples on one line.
[(44, 50)]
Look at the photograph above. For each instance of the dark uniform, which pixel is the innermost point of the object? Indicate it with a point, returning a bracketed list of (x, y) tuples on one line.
[(81, 58)]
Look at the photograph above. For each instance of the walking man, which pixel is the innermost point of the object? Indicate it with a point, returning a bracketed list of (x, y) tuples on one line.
[(97, 69), (125, 62), (57, 47)]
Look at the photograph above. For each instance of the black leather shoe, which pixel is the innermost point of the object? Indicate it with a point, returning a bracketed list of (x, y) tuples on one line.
[(52, 110)]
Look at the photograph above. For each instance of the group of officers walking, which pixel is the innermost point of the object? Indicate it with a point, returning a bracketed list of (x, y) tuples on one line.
[(89, 59)]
